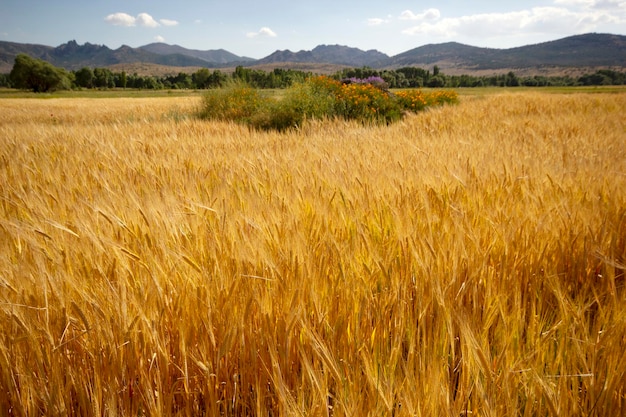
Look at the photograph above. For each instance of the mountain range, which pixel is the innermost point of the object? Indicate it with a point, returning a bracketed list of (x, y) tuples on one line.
[(591, 50)]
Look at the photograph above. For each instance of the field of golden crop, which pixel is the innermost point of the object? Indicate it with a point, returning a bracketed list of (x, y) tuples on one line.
[(467, 260)]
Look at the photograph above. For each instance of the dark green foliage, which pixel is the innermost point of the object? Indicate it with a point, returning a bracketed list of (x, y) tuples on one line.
[(37, 75), (603, 77), (201, 78), (5, 80), (512, 80), (84, 78), (414, 77), (182, 80), (122, 80), (436, 82), (103, 78)]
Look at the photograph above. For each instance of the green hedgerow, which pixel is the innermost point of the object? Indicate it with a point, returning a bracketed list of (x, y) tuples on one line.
[(318, 98)]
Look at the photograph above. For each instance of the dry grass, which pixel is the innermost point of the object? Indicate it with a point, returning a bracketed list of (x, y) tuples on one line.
[(468, 260)]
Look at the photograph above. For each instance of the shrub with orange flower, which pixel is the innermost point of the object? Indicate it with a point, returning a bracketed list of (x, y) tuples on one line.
[(417, 100), (317, 98), (411, 100), (366, 102)]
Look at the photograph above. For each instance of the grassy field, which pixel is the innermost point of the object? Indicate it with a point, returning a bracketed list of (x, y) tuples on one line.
[(468, 260)]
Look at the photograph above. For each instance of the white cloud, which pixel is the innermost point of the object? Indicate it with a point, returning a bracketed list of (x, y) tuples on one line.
[(537, 20), (264, 31), (446, 28), (428, 14), (168, 22), (159, 38), (142, 19), (120, 19)]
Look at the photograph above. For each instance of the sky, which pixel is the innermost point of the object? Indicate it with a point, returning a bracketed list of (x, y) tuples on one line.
[(255, 29)]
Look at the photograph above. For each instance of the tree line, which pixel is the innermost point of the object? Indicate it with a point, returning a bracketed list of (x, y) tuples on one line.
[(40, 76), (414, 77)]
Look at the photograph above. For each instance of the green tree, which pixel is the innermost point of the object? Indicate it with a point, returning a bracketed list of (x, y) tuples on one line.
[(122, 80), (152, 83), (602, 77), (38, 75), (84, 77), (242, 74), (401, 81), (511, 80), (201, 78), (103, 78), (416, 77), (436, 81), (136, 81), (530, 82), (4, 80)]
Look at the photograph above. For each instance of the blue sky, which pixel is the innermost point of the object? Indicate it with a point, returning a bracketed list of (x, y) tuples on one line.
[(256, 29)]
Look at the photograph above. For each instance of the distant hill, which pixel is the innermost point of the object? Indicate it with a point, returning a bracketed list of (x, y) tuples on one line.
[(590, 50), (450, 53), (73, 56), (219, 56), (328, 54), (587, 51), (9, 50)]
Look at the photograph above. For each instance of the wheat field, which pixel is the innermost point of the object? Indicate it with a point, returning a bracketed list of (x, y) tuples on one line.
[(467, 260)]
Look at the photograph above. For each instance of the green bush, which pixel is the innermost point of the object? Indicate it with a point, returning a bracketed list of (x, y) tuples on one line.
[(236, 102), (317, 98), (277, 115), (300, 102)]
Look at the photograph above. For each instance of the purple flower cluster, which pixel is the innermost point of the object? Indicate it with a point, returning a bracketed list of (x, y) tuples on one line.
[(374, 80)]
